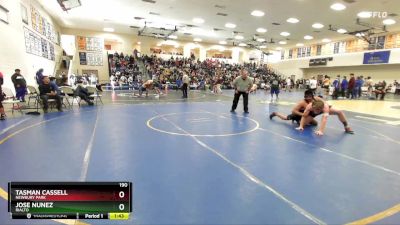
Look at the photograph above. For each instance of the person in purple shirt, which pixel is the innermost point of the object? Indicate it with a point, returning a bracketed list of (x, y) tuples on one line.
[(344, 85), (357, 87), (336, 86), (39, 76)]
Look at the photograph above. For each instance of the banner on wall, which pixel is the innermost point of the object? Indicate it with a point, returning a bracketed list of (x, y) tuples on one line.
[(81, 43), (36, 45), (82, 58), (376, 57), (318, 62)]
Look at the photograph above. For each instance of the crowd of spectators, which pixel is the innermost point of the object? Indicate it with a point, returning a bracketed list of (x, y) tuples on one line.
[(203, 74), (215, 75), (124, 70)]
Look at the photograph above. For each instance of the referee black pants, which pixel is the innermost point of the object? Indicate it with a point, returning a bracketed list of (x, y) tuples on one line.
[(245, 100), (184, 90)]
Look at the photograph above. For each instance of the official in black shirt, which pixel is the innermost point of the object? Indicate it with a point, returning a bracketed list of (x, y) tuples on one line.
[(48, 90)]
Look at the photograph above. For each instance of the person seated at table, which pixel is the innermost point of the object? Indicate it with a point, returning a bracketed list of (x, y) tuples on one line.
[(380, 90)]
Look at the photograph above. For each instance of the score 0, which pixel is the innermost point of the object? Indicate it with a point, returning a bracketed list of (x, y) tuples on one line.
[(122, 193)]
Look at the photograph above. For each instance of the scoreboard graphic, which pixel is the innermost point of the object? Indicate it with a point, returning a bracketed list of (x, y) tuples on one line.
[(70, 200)]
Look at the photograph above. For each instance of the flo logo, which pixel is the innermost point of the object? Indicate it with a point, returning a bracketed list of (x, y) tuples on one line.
[(371, 14), (379, 14)]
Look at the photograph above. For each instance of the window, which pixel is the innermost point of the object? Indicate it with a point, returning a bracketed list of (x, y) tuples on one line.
[(3, 14), (372, 43), (336, 48), (319, 49), (282, 54), (308, 51), (380, 44), (290, 53)]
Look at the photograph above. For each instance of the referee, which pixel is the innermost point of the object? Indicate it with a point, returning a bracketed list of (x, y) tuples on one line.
[(242, 85)]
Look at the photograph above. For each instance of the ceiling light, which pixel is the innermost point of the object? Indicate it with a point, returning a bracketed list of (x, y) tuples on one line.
[(285, 34), (197, 40), (308, 37), (222, 42), (260, 39), (365, 14), (326, 40), (283, 42), (242, 44), (261, 30), (263, 46), (257, 13), (292, 20), (198, 20), (299, 44), (342, 31), (317, 25), (108, 29), (389, 22), (173, 36), (67, 5), (360, 34), (239, 37), (139, 42), (278, 48), (230, 25), (338, 7)]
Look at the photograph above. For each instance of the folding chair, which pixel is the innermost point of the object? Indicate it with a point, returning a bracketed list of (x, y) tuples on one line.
[(10, 99), (70, 93), (33, 93), (94, 93)]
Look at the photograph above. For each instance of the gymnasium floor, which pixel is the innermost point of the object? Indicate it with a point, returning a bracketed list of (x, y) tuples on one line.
[(193, 162)]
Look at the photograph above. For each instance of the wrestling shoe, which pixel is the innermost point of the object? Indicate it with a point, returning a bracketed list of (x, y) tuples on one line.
[(348, 130), (272, 115)]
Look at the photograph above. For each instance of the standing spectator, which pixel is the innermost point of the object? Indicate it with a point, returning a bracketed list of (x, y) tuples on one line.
[(336, 86), (242, 86), (178, 83), (313, 84), (326, 84), (288, 84), (185, 84), (369, 84), (307, 83), (344, 86), (19, 85), (357, 87), (2, 113), (397, 85), (130, 83), (350, 90), (219, 82), (275, 88), (112, 82), (39, 76), (48, 90)]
